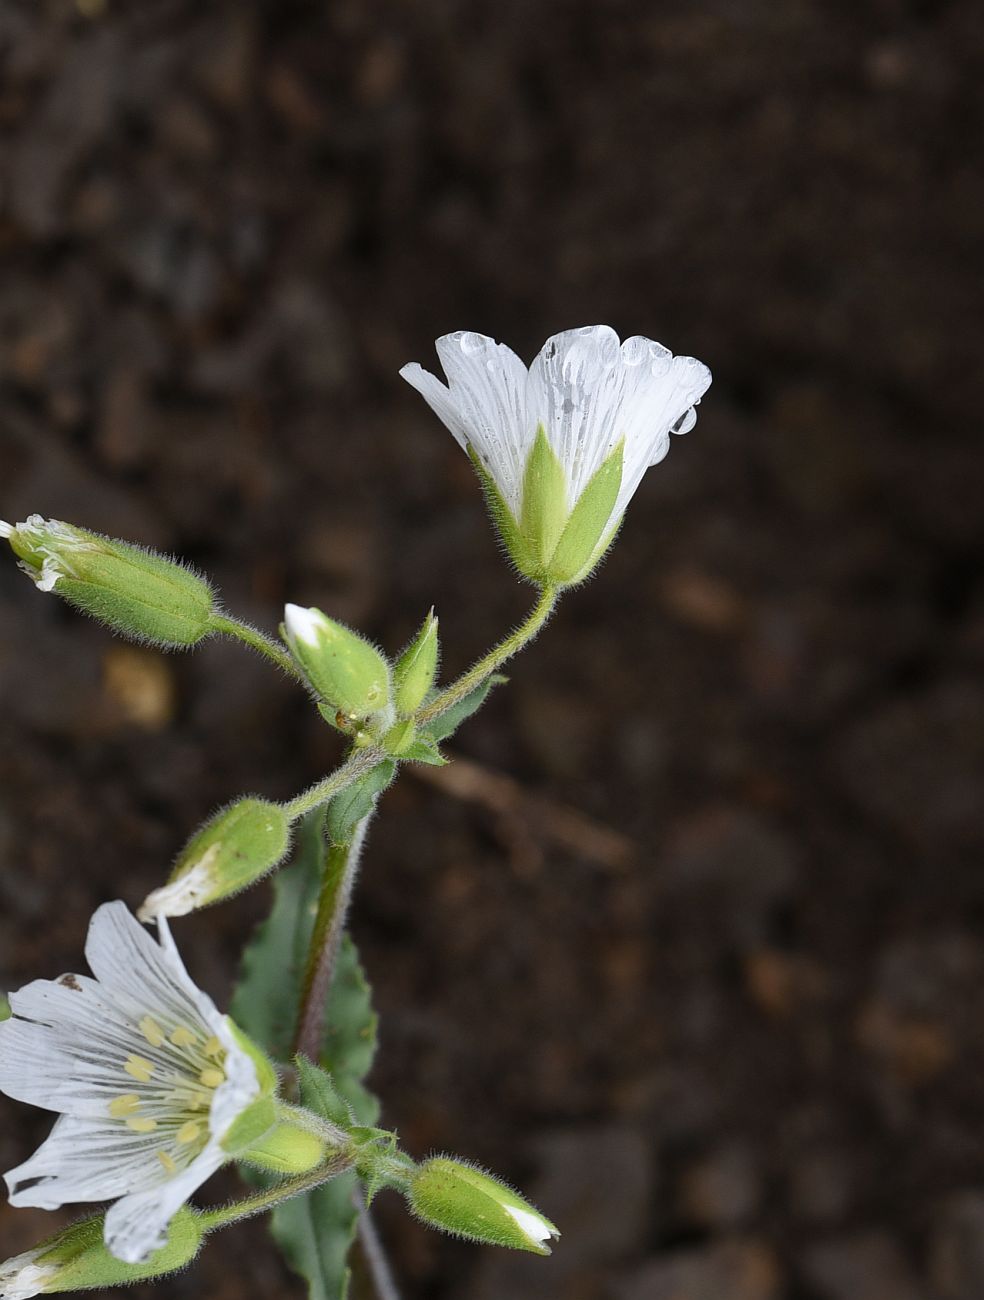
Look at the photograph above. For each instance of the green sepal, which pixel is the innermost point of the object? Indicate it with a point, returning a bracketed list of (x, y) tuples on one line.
[(286, 1149), (416, 668), (5, 1011), (318, 1093), (544, 509), (79, 1260), (266, 1071), (424, 750), (447, 723), (578, 550), (467, 1202), (504, 520), (139, 593), (247, 1129), (357, 801)]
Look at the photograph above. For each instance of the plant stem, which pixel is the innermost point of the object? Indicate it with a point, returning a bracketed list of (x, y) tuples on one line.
[(329, 923), (257, 640), (495, 658), (356, 765), (245, 1209), (374, 1252)]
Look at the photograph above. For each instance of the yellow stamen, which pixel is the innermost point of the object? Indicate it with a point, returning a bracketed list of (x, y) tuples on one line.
[(123, 1106), (183, 1037), (152, 1031), (141, 1124), (188, 1132), (139, 1068), (211, 1077), (213, 1046), (167, 1162)]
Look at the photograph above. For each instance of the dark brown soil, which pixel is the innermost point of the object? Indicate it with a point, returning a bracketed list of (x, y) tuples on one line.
[(742, 1060)]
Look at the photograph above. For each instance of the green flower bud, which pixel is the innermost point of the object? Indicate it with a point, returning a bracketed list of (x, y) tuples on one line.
[(77, 1260), (416, 668), (234, 849), (343, 667), (287, 1149), (135, 591), (462, 1200)]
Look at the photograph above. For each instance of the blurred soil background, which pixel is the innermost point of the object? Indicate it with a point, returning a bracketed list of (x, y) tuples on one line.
[(689, 944)]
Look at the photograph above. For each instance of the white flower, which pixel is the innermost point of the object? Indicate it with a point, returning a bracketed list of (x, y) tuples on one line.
[(589, 394), (23, 1277), (51, 545), (147, 1075)]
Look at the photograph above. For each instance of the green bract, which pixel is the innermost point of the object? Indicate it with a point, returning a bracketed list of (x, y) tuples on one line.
[(416, 668), (342, 666), (235, 848), (137, 592), (470, 1203)]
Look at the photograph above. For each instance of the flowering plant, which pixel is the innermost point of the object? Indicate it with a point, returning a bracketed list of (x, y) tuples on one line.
[(154, 1088)]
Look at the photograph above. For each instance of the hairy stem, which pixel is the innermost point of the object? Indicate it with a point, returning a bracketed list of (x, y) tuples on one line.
[(245, 1209), (257, 640), (329, 924), (374, 1252), (495, 658), (356, 765)]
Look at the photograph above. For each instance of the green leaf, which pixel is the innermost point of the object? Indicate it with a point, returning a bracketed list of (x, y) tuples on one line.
[(448, 723), (579, 542), (544, 510), (425, 750), (313, 1231), (358, 800)]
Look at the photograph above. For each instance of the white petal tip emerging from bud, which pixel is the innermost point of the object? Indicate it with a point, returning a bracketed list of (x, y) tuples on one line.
[(181, 896), (5, 528), (537, 1229), (21, 1278), (304, 624)]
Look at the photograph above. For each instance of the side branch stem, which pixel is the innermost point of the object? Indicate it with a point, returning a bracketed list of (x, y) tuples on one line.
[(495, 658), (258, 641), (245, 1209), (356, 765), (329, 923)]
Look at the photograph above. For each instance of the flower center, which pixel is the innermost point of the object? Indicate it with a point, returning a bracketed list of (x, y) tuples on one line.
[(175, 1080)]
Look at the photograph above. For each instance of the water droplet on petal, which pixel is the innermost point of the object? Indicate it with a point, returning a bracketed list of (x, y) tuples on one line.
[(686, 422)]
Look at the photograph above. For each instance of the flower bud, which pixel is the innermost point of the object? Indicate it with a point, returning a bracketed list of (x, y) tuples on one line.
[(286, 1149), (135, 591), (416, 668), (233, 850), (462, 1200), (343, 667), (77, 1260)]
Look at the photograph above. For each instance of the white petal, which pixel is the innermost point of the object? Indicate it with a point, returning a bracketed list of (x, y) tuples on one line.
[(304, 624), (57, 1065), (5, 529), (142, 974), (660, 392), (22, 1277), (484, 405), (531, 1224), (137, 1224), (179, 897), (85, 1160), (438, 398), (575, 391)]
